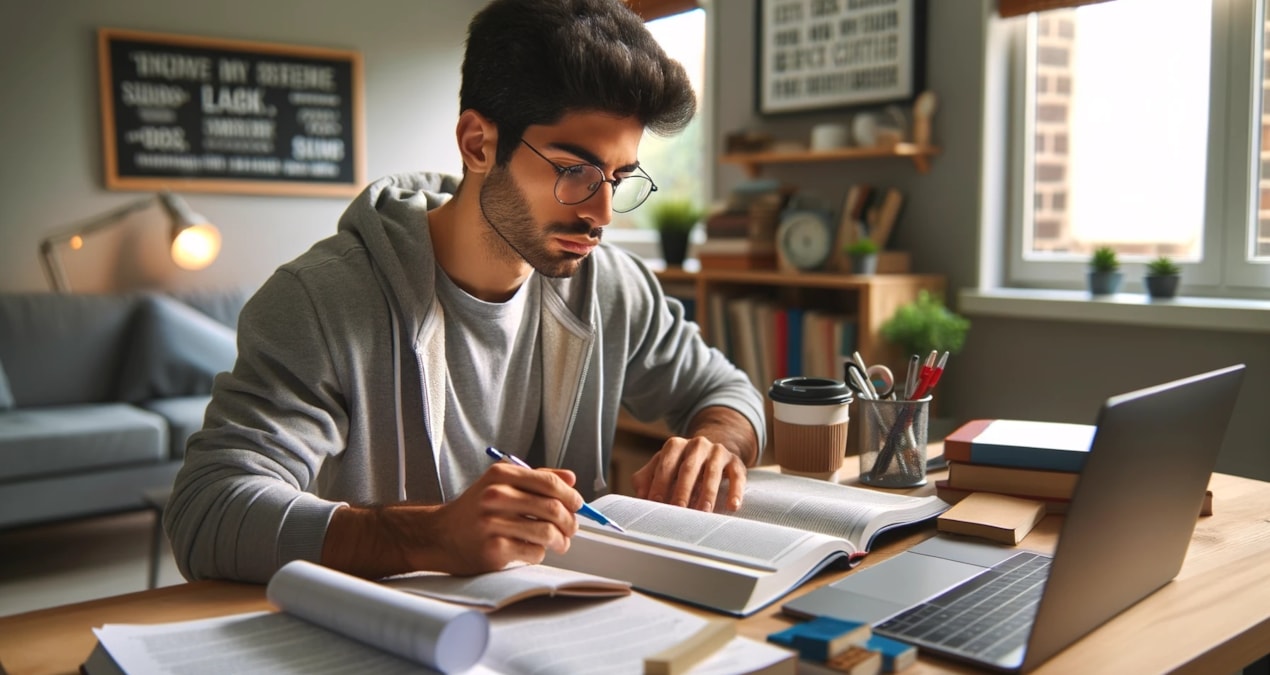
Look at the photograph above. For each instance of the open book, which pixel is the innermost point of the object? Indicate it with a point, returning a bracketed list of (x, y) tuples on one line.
[(333, 623), (788, 529), (495, 590)]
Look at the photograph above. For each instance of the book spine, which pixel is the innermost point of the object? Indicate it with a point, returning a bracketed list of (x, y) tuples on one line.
[(1008, 480), (1048, 459)]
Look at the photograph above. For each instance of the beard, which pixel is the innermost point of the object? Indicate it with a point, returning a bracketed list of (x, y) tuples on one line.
[(515, 236)]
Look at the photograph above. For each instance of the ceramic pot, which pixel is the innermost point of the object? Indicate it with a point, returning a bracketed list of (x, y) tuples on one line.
[(1104, 283), (864, 263), (1162, 285), (674, 247)]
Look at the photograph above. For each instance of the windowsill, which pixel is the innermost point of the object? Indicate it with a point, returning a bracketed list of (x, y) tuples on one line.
[(1134, 309)]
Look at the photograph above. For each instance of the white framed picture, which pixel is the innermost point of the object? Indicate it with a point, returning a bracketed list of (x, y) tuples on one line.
[(816, 54)]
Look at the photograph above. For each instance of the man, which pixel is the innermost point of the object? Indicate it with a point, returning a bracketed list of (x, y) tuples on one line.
[(374, 369)]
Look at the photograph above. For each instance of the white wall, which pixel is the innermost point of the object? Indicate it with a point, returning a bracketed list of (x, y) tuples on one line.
[(51, 168)]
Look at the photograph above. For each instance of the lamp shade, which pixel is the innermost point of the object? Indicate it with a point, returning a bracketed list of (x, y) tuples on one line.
[(195, 241)]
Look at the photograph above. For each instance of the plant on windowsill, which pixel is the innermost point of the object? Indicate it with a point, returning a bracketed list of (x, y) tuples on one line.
[(1162, 278), (674, 220), (863, 254), (1104, 271)]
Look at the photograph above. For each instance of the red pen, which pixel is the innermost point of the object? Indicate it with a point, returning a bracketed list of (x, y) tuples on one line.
[(924, 375), (928, 383)]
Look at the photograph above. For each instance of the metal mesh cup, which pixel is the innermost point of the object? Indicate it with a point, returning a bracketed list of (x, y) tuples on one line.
[(893, 442)]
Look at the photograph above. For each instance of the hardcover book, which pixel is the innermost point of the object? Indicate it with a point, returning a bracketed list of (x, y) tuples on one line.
[(787, 529), (1055, 446), (992, 516), (1029, 483)]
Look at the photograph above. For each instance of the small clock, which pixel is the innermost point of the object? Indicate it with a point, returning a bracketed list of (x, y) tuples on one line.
[(804, 240)]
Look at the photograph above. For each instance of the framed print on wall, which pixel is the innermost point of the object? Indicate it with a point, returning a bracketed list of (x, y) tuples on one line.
[(816, 54), (197, 114)]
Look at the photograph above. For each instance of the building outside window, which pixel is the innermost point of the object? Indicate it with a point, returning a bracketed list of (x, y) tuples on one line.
[(1144, 130)]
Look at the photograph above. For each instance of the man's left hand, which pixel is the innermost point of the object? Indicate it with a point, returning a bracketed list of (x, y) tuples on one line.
[(688, 471)]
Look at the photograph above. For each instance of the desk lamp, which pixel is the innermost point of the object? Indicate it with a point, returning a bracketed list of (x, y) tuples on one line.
[(195, 241)]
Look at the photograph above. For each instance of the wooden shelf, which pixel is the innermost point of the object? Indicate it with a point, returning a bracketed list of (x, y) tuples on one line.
[(754, 161), (869, 299)]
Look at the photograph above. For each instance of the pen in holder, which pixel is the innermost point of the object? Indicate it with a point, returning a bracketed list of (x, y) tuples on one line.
[(893, 442)]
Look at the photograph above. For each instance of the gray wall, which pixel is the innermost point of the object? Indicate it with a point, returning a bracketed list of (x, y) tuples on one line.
[(50, 131), (1025, 369), (52, 176)]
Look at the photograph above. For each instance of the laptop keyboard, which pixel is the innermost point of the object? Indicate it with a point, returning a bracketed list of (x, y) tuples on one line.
[(985, 618)]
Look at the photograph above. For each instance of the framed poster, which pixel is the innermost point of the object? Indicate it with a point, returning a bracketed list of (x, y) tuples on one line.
[(816, 54), (195, 114)]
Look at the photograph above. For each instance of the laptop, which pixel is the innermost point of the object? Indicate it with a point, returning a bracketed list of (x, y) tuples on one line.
[(1125, 535)]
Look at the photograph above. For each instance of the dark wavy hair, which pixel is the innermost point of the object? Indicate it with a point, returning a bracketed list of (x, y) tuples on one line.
[(532, 61)]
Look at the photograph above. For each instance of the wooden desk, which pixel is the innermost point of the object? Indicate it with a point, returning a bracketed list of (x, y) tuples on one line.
[(1213, 618)]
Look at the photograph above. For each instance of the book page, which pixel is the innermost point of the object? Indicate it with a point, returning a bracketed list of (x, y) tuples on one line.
[(429, 632), (746, 542), (498, 589), (609, 636), (256, 642), (853, 513)]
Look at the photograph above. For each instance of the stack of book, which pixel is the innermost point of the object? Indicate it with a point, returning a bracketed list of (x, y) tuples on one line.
[(1033, 460), (742, 233), (1040, 461), (827, 645)]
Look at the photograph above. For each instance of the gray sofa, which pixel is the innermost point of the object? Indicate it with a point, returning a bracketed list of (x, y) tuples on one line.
[(98, 394)]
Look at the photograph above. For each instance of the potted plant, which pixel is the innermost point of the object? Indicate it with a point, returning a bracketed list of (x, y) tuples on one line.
[(674, 220), (863, 254), (1104, 271), (926, 325), (1162, 277)]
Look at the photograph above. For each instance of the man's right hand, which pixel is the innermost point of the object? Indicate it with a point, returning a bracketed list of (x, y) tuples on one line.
[(510, 514)]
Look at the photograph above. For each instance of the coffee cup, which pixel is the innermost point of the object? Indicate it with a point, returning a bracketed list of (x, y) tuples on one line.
[(811, 415)]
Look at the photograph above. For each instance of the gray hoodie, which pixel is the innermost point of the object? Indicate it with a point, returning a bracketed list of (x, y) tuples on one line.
[(338, 393)]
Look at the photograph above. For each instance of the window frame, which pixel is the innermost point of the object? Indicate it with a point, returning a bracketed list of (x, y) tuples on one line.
[(1230, 184)]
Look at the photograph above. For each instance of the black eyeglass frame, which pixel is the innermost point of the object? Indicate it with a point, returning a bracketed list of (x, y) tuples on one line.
[(595, 187)]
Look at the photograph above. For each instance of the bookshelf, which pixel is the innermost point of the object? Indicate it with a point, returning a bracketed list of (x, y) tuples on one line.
[(867, 300)]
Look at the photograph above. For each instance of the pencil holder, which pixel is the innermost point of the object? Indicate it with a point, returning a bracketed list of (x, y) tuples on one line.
[(893, 442)]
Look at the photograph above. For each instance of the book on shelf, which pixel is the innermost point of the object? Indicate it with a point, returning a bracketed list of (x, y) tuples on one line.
[(743, 337), (788, 529), (337, 623), (991, 516), (496, 590), (1029, 483), (1055, 446)]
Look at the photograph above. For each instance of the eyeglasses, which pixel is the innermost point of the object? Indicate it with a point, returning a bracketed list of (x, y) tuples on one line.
[(577, 183)]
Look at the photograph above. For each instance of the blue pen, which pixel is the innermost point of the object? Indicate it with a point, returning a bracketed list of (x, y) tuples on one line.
[(586, 510)]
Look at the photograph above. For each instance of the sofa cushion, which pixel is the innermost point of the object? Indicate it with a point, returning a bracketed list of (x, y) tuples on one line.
[(68, 439), (176, 351), (184, 415), (60, 349), (224, 305), (6, 395)]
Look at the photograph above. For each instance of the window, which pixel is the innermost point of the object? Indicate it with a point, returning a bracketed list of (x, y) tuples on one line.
[(1142, 130), (677, 163)]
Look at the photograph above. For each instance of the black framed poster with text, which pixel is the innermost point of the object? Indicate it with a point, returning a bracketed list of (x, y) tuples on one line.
[(198, 114), (816, 54)]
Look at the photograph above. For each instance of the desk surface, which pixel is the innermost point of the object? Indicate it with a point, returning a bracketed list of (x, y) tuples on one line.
[(1213, 618)]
